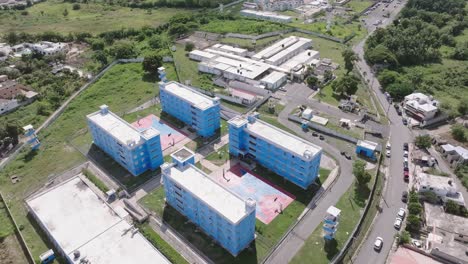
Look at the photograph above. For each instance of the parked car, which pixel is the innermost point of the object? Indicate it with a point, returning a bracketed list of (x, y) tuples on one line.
[(378, 244), (405, 153), (387, 153), (405, 160), (401, 213), (315, 134), (406, 168), (347, 156), (405, 164), (405, 122), (321, 137), (405, 146), (398, 111), (416, 243), (404, 196), (406, 176), (397, 223), (389, 146)]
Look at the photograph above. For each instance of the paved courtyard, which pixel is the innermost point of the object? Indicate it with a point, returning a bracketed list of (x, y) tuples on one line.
[(169, 135)]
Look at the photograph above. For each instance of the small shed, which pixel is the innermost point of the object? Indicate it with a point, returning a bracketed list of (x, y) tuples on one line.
[(307, 114), (367, 148)]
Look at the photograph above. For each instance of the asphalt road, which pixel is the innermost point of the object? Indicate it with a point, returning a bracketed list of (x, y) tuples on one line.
[(296, 239), (383, 226)]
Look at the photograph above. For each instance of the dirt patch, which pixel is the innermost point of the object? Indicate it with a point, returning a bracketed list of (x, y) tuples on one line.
[(10, 251)]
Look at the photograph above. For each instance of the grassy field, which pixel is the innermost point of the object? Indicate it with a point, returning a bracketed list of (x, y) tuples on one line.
[(122, 88), (350, 204), (267, 235), (338, 29), (358, 5), (236, 107), (220, 156), (92, 17)]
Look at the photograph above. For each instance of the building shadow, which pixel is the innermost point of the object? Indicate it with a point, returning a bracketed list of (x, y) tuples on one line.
[(331, 247), (203, 242)]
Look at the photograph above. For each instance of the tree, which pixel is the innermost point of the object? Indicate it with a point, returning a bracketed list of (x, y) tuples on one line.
[(387, 77), (327, 75), (414, 208), (452, 207), (423, 141), (152, 62), (157, 42), (312, 81), (189, 46), (349, 58), (123, 50), (76, 6), (347, 84), (430, 197), (461, 51), (413, 197), (413, 223), (459, 133), (65, 12), (97, 44), (359, 171), (178, 29), (399, 90), (101, 57), (404, 237), (463, 107)]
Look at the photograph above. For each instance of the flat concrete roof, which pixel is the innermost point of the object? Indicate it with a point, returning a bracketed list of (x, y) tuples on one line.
[(78, 219), (367, 144), (305, 57), (279, 137), (212, 193), (273, 77), (119, 128), (197, 99), (278, 47)]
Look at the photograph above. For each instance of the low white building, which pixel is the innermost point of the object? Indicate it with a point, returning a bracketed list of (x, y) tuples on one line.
[(443, 187), (307, 114), (48, 48), (85, 229), (274, 80), (199, 55), (283, 50), (230, 49), (455, 155), (264, 15), (420, 106), (8, 105)]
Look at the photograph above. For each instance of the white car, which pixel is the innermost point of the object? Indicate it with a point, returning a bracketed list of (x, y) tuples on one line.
[(389, 146), (417, 243), (387, 153), (401, 213), (405, 159), (397, 223), (405, 153), (378, 243)]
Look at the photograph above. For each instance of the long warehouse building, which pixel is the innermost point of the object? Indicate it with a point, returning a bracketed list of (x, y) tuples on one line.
[(220, 213), (287, 155)]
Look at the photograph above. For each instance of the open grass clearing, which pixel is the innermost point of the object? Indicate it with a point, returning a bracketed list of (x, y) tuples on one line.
[(92, 17), (123, 87), (359, 5), (351, 205), (241, 25)]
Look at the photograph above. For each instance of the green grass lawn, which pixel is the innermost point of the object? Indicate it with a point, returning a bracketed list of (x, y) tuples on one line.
[(358, 5), (6, 225), (122, 88), (267, 235), (350, 204), (92, 17), (159, 243), (339, 29), (236, 107), (220, 156)]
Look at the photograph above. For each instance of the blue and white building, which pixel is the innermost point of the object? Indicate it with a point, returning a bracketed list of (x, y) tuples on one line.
[(220, 213), (330, 222), (137, 151), (31, 137), (195, 109), (287, 155)]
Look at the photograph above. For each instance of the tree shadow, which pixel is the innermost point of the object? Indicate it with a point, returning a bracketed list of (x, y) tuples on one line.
[(361, 193), (331, 247), (150, 77), (30, 155)]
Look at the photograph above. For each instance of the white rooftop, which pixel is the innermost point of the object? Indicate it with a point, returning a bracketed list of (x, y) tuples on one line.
[(197, 99), (229, 48), (273, 77), (332, 210), (278, 137), (119, 128), (279, 46), (305, 57), (212, 193), (367, 144), (78, 219)]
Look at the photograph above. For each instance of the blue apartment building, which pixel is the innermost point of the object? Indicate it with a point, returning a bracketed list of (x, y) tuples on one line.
[(195, 109), (137, 151), (220, 213), (287, 155)]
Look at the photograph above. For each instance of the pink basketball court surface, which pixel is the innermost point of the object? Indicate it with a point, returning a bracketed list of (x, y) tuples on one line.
[(169, 135), (271, 199)]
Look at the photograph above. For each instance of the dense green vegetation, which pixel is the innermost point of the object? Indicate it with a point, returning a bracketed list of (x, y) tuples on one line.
[(425, 50), (95, 180)]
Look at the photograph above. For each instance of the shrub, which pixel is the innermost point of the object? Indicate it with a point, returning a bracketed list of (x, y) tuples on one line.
[(76, 6), (459, 133), (423, 141)]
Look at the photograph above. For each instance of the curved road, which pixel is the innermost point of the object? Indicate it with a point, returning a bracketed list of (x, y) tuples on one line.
[(399, 134)]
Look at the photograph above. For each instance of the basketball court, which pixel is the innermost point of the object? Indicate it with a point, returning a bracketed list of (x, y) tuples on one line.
[(169, 135)]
